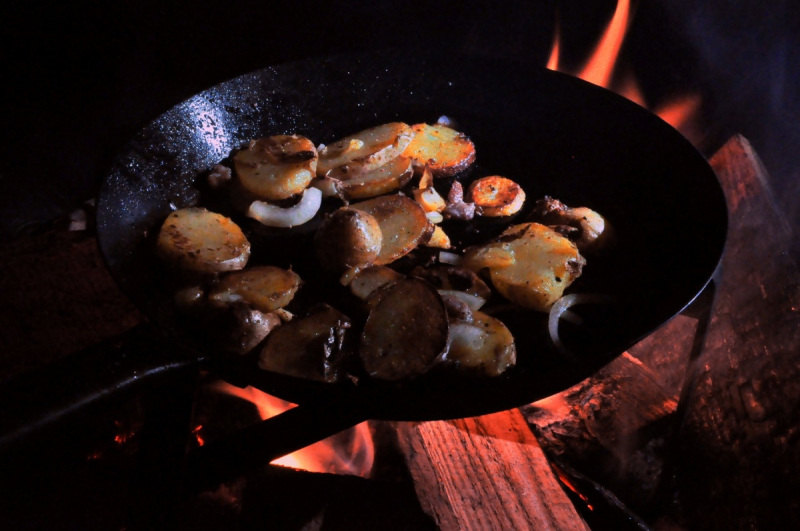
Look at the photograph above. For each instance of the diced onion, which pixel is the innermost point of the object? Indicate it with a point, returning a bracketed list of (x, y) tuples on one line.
[(434, 217), (284, 314), (446, 257), (275, 216)]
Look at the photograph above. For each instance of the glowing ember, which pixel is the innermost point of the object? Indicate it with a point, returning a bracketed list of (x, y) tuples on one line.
[(124, 434), (556, 404), (197, 432), (564, 479), (350, 452), (680, 113)]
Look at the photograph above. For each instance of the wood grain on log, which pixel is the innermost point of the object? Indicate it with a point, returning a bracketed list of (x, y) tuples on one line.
[(485, 473), (739, 445)]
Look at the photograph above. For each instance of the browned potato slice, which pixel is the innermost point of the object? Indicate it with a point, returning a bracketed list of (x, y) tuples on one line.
[(204, 241), (266, 288), (348, 238), (403, 225), (308, 347), (485, 344), (405, 332), (444, 151), (529, 264), (372, 278), (369, 148), (360, 183), (496, 196), (276, 167)]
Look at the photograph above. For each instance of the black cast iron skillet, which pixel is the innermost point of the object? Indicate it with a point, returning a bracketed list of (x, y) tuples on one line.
[(552, 133)]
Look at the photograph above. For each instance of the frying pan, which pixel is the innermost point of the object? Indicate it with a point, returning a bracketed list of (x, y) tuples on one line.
[(554, 134)]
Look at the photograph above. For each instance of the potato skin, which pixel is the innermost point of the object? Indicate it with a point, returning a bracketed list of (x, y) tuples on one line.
[(406, 331), (308, 347), (348, 238), (402, 222)]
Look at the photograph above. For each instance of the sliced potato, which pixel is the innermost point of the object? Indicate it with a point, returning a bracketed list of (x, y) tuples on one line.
[(496, 196), (200, 240), (348, 238), (440, 149), (266, 288), (368, 149), (537, 264), (356, 182), (485, 344), (402, 222), (372, 278), (406, 331), (276, 167), (309, 347)]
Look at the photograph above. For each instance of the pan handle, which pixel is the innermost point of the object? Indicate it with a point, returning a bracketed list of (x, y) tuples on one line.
[(43, 401), (207, 466)]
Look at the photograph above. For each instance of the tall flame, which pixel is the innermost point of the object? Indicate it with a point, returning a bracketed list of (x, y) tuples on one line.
[(680, 112), (600, 66), (350, 452)]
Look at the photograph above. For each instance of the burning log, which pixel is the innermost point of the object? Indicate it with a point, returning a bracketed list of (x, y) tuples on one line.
[(607, 427), (738, 456), (721, 433)]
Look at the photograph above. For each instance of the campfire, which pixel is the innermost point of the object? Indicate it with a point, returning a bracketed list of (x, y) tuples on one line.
[(691, 428), (350, 452), (681, 112)]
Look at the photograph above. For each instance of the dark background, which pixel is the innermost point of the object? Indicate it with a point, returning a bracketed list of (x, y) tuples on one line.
[(80, 78)]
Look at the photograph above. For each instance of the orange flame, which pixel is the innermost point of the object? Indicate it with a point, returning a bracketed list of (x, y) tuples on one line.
[(680, 113), (552, 62), (350, 452), (565, 480), (600, 65)]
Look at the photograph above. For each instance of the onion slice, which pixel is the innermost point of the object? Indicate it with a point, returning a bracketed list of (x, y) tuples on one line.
[(561, 310), (275, 216)]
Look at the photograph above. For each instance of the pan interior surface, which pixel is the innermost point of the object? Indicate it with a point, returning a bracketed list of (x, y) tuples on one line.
[(553, 134)]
